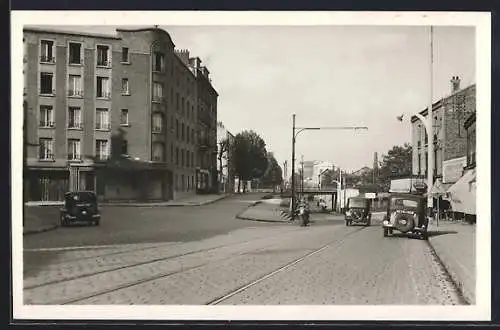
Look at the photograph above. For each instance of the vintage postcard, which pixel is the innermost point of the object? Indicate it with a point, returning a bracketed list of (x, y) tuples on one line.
[(251, 165)]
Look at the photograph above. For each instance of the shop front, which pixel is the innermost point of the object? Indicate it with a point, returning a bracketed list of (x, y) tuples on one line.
[(462, 195)]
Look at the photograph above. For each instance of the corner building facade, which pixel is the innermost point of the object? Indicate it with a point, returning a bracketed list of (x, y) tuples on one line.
[(81, 90)]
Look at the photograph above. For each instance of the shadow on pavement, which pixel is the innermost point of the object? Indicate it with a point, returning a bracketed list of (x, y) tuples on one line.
[(433, 233)]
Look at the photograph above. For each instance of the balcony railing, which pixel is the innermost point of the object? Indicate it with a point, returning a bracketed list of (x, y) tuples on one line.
[(103, 63), (47, 124), (105, 95), (76, 125), (74, 158), (46, 156), (78, 93), (47, 59), (157, 129), (102, 126)]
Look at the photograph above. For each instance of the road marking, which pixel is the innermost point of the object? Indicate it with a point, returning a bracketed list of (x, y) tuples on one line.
[(95, 247)]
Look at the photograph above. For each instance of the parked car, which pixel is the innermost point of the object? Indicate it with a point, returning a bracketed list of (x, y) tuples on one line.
[(358, 210), (406, 213), (80, 206)]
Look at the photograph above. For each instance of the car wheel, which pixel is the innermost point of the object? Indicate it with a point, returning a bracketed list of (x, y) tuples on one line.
[(390, 231), (347, 223), (386, 232)]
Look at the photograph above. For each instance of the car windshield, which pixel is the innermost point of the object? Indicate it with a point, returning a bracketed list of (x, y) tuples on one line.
[(357, 202), (402, 203)]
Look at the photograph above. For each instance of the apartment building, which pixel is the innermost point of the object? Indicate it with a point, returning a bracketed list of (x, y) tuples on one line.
[(83, 90), (450, 137)]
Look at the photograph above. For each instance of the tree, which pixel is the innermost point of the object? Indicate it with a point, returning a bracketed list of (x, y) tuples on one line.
[(222, 153), (250, 157), (274, 174), (397, 162)]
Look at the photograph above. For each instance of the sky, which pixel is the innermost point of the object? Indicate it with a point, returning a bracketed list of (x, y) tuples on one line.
[(327, 76)]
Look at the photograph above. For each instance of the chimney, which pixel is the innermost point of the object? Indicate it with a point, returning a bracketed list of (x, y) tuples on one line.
[(455, 84)]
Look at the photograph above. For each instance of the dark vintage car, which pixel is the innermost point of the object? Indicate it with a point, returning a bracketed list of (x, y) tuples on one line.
[(406, 213), (80, 206), (358, 210)]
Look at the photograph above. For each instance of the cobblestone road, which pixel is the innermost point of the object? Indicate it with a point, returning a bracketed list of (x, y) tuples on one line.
[(285, 264)]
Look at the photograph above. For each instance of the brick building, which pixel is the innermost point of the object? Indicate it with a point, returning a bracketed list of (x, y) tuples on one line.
[(82, 90), (450, 138)]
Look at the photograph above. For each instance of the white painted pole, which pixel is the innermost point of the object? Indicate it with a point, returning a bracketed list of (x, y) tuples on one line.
[(430, 131)]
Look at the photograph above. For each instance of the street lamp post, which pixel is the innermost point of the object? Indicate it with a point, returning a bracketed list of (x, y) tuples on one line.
[(295, 133), (429, 128)]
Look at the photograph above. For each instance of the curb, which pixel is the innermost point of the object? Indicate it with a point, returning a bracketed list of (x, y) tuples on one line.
[(452, 277), (238, 216), (162, 205), (37, 231)]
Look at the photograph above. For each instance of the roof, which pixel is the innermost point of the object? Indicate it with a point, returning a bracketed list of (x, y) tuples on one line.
[(436, 105), (72, 33)]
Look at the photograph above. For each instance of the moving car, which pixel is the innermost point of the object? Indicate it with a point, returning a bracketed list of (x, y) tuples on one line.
[(406, 213), (80, 206), (358, 210)]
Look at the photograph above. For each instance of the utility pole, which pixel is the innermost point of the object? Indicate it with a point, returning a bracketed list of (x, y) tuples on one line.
[(293, 168), (430, 131), (302, 177)]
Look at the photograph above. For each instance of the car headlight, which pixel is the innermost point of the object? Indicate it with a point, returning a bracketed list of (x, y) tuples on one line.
[(348, 212), (386, 222)]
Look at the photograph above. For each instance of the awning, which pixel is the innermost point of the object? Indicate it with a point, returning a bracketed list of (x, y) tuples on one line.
[(463, 193), (439, 188)]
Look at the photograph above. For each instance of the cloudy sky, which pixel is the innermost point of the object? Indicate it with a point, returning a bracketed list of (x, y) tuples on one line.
[(327, 76)]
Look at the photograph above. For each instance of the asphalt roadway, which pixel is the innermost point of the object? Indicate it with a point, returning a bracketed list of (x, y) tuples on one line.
[(203, 255)]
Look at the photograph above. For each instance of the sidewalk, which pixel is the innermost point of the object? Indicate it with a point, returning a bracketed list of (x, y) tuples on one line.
[(195, 200), (455, 245), (40, 219), (264, 211)]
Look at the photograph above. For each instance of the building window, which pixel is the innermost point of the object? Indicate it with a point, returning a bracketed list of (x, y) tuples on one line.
[(124, 117), (74, 117), (47, 83), (182, 181), (75, 85), (103, 56), (46, 116), (157, 123), (75, 53), (102, 119), (177, 101), (187, 158), (171, 153), (182, 132), (171, 95), (177, 128), (182, 157), (158, 151), (187, 134), (157, 92), (192, 136), (46, 151), (158, 62), (125, 86), (102, 149), (188, 110), (124, 148), (426, 162), (73, 149), (47, 51), (182, 106), (125, 55), (177, 155), (103, 90)]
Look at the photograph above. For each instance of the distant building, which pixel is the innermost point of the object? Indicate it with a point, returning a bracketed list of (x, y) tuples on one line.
[(81, 90), (225, 162), (318, 170), (450, 136), (309, 169)]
